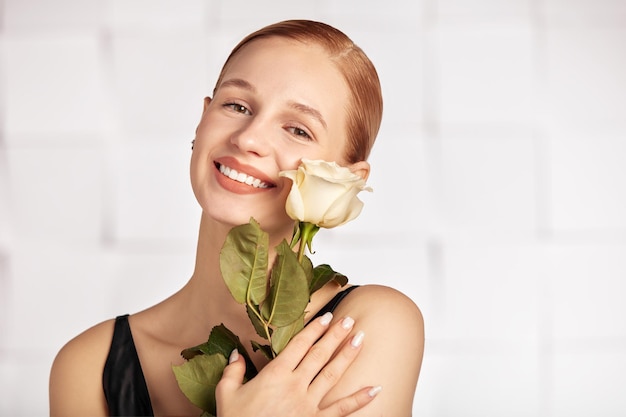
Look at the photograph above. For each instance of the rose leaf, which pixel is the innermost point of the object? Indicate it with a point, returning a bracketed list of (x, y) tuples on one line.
[(223, 341), (244, 261), (307, 265), (198, 377), (322, 274), (282, 335), (256, 321), (266, 350), (289, 292), (191, 352)]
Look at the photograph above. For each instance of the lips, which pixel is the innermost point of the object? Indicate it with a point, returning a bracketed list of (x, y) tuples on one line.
[(242, 177)]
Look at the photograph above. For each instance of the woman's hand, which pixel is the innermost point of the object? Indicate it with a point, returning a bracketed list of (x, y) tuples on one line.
[(295, 382)]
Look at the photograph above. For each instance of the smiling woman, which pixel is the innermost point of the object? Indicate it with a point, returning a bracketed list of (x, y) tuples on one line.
[(292, 91)]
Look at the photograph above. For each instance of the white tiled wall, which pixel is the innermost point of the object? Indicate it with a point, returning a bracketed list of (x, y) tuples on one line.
[(499, 176)]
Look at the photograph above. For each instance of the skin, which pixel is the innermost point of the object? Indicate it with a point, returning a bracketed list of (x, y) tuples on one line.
[(272, 109)]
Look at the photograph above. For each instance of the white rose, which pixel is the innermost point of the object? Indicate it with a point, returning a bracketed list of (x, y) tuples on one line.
[(324, 193)]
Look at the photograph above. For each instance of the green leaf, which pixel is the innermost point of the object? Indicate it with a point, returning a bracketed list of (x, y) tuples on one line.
[(266, 350), (307, 265), (244, 262), (191, 352), (256, 322), (289, 292), (198, 377), (296, 235), (222, 341), (322, 274), (282, 335)]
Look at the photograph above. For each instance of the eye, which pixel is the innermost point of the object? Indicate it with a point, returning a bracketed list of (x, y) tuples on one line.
[(238, 108), (299, 132)]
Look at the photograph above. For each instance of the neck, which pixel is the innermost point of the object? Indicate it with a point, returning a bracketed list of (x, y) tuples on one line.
[(206, 293), (205, 301), (206, 297)]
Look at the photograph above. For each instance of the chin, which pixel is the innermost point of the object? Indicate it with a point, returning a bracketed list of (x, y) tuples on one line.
[(282, 225)]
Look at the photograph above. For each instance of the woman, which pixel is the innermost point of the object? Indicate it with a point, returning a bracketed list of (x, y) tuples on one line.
[(293, 90)]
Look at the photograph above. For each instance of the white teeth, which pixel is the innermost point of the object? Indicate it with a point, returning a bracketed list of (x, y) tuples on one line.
[(241, 177)]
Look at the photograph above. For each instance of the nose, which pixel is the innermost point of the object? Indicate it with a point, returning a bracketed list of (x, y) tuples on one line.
[(252, 137)]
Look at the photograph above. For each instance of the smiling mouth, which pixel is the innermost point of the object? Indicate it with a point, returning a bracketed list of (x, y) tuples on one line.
[(241, 177)]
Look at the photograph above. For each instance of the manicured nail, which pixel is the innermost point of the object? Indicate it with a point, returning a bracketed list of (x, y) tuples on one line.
[(357, 339), (374, 391), (234, 356), (347, 323), (326, 318)]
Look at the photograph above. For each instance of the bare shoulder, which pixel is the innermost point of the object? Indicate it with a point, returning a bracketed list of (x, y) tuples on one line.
[(385, 314), (76, 374), (392, 351), (381, 304)]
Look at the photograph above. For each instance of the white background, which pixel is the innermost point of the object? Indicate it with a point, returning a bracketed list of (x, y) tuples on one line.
[(499, 177)]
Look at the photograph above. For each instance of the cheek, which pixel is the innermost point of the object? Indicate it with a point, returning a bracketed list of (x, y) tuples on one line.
[(200, 166), (194, 176), (290, 160), (337, 153)]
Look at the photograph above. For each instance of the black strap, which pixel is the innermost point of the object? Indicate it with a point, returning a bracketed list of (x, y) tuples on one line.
[(332, 304), (123, 381)]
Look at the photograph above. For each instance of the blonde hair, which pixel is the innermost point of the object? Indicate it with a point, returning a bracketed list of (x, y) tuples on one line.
[(365, 111)]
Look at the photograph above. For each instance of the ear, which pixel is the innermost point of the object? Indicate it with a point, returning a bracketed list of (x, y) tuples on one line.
[(361, 168), (207, 101)]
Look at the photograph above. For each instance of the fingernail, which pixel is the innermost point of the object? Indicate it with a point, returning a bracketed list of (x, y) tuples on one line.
[(234, 356), (326, 318), (374, 391), (347, 323), (357, 339)]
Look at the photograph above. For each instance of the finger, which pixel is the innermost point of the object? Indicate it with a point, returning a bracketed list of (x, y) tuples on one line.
[(298, 347), (232, 378), (348, 405), (334, 370), (319, 354)]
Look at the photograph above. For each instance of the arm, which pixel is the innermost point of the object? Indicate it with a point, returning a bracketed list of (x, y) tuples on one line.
[(392, 350), (76, 375), (333, 377)]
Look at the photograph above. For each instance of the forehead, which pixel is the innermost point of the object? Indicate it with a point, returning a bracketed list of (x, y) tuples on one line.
[(292, 70), (282, 55), (288, 51), (282, 72)]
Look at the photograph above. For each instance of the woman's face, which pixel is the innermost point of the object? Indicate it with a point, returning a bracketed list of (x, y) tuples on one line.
[(279, 101)]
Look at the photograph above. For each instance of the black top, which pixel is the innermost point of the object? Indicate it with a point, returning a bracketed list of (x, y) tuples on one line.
[(124, 385)]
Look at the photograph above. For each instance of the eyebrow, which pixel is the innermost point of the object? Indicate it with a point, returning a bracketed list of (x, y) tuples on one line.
[(302, 108), (310, 111), (238, 82)]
